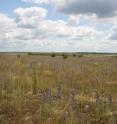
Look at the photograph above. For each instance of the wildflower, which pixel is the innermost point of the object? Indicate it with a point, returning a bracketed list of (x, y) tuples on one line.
[(97, 97), (110, 100), (47, 94), (73, 101), (59, 92)]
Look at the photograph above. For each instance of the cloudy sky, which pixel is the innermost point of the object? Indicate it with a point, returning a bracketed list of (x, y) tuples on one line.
[(58, 25)]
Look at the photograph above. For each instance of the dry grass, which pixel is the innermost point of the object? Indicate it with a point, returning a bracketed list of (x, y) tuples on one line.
[(53, 90)]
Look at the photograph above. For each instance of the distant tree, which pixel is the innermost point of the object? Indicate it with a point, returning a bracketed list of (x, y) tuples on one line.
[(18, 56), (53, 55), (65, 56), (80, 55), (74, 55), (29, 53)]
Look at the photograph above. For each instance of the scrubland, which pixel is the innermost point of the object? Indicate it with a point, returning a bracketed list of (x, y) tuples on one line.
[(37, 89)]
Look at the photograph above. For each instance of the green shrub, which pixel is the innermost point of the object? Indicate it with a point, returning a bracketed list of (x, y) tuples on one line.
[(18, 56), (74, 55), (29, 53), (65, 56), (80, 55), (53, 55)]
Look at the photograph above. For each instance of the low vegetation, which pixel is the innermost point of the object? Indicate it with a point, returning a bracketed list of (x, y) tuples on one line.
[(41, 89)]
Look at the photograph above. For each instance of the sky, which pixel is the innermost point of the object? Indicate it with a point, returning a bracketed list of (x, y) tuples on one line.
[(58, 25)]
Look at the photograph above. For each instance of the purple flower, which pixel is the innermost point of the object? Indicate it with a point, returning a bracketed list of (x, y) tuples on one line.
[(110, 100), (73, 101), (59, 92), (47, 94), (97, 97)]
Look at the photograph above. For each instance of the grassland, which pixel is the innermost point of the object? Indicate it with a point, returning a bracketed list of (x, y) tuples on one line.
[(50, 89)]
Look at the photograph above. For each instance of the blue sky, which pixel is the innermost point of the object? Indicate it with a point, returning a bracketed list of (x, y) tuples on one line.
[(7, 7), (58, 25)]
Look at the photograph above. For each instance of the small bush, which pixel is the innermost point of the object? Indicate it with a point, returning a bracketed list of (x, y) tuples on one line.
[(74, 55), (29, 53), (65, 56), (53, 55), (80, 56), (18, 56)]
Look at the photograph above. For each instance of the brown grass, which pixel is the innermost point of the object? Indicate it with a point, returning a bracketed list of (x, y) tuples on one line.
[(24, 82)]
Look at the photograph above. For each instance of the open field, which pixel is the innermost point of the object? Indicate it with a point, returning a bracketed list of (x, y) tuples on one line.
[(50, 89)]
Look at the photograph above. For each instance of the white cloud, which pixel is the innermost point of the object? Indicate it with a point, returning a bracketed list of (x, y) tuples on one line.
[(30, 30), (29, 17), (54, 29), (73, 20), (102, 8), (113, 34), (94, 11), (6, 25)]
